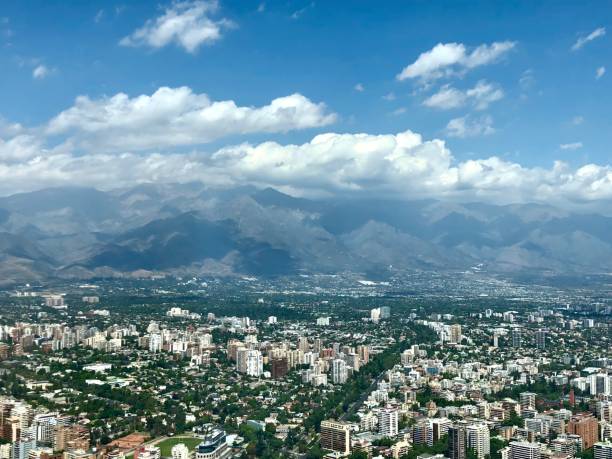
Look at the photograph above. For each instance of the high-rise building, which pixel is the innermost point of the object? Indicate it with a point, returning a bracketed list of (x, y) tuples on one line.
[(339, 371), (524, 450), (584, 425), (303, 344), (541, 339), (71, 436), (155, 343), (478, 439), (516, 337), (528, 400), (249, 361), (364, 353), (602, 450), (457, 441), (388, 419), (454, 333), (280, 367), (438, 427), (336, 436)]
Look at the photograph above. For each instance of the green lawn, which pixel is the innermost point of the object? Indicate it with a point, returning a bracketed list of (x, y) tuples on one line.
[(166, 445)]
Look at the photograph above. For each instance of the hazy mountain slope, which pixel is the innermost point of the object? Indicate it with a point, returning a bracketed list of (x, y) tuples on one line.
[(191, 228)]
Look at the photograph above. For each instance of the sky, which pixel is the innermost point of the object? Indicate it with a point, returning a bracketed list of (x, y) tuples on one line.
[(497, 102)]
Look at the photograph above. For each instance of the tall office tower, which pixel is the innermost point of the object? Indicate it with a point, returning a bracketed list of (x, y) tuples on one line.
[(336, 436), (455, 333), (541, 339), (249, 361), (364, 353), (388, 422), (44, 425), (155, 343), (585, 426), (524, 450), (438, 427), (516, 337), (602, 450), (600, 383), (71, 436), (20, 419), (457, 441), (385, 312), (180, 451), (280, 367), (6, 405), (478, 438), (303, 344), (421, 432), (528, 400), (339, 371)]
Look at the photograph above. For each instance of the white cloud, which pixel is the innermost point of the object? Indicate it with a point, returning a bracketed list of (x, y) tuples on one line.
[(178, 116), (446, 98), (359, 87), (600, 72), (468, 126), (597, 33), (571, 146), (99, 16), (577, 120), (446, 59), (40, 72), (403, 165), (187, 24), (480, 96), (399, 111), (389, 97)]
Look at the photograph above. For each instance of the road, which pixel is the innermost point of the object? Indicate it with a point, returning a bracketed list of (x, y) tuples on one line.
[(366, 393)]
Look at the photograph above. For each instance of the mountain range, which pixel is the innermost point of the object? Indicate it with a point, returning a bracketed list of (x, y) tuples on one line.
[(191, 229)]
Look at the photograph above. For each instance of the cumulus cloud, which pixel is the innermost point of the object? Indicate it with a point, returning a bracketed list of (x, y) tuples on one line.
[(40, 72), (447, 59), (468, 126), (402, 165), (187, 24), (597, 33), (359, 87), (571, 146), (480, 96), (600, 72), (178, 116)]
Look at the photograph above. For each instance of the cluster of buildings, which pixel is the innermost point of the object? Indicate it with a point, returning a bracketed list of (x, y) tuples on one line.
[(35, 433)]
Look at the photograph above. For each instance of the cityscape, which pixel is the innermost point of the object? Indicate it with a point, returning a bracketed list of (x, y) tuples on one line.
[(197, 368), (305, 229)]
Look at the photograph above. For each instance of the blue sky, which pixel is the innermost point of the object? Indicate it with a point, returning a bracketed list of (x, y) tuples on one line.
[(546, 98)]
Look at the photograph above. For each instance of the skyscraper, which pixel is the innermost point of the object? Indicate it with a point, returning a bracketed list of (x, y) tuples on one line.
[(478, 439), (457, 441), (516, 337), (455, 333), (541, 339), (388, 422), (339, 371)]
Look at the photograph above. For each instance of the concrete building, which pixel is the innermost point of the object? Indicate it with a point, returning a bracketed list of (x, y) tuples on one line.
[(335, 436)]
